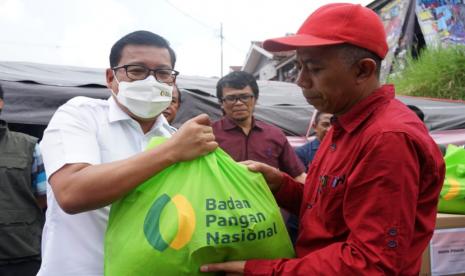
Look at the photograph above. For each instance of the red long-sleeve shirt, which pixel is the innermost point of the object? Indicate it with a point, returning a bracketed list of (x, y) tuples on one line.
[(369, 203)]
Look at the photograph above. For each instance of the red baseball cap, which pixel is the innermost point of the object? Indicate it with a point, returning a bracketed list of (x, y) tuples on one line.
[(336, 24)]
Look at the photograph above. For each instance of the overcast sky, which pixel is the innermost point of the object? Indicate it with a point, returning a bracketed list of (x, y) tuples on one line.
[(81, 32)]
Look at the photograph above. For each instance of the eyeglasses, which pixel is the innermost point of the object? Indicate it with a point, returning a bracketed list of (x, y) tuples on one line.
[(140, 72), (232, 99)]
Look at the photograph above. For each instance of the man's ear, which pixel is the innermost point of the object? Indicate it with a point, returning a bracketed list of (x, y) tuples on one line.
[(365, 69), (1, 103), (109, 77), (222, 108)]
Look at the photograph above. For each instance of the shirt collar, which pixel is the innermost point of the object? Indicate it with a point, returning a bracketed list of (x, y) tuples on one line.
[(162, 125), (363, 109), (115, 113), (229, 124)]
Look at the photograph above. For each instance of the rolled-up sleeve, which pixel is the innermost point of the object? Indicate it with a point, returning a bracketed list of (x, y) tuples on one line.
[(69, 138), (39, 179), (289, 162), (289, 195)]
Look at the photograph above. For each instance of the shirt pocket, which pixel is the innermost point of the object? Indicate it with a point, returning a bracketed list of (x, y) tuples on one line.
[(330, 201), (13, 171), (20, 232), (13, 162)]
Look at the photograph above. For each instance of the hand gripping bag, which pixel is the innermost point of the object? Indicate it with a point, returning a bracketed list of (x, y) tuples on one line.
[(452, 197), (208, 210)]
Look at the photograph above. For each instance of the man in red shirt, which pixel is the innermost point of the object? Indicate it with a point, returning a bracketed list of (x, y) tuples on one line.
[(246, 138), (369, 203)]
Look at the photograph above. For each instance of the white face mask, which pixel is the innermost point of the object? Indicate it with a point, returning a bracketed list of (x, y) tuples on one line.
[(144, 98)]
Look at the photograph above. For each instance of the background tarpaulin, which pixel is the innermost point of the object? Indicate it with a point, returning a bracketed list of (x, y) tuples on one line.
[(34, 91)]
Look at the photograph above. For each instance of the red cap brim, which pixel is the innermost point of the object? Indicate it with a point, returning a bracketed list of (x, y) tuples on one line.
[(293, 42)]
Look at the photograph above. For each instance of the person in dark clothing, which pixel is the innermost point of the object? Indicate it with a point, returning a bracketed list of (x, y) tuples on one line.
[(307, 151), (22, 201), (244, 137)]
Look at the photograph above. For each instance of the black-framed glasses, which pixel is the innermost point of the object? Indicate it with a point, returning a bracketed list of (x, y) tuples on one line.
[(140, 72), (232, 99)]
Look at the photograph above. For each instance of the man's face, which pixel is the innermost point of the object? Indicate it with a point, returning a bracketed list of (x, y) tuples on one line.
[(1, 105), (150, 56), (327, 81), (172, 109), (239, 109), (322, 126)]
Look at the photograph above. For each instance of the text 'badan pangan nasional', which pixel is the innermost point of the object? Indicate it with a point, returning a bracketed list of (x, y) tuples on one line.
[(247, 222)]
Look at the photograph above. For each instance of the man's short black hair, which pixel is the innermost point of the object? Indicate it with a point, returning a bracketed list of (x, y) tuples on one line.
[(236, 80), (144, 38), (1, 92), (417, 111)]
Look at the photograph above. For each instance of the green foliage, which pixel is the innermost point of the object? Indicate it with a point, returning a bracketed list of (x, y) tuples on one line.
[(438, 73)]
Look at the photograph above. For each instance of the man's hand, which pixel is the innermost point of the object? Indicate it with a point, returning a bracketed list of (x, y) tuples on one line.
[(81, 187), (273, 176), (231, 268), (195, 138)]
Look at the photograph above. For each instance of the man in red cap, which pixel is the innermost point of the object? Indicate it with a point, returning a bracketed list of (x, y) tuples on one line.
[(369, 203)]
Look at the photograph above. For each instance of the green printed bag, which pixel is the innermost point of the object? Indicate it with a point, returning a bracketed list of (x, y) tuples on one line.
[(208, 210), (452, 198)]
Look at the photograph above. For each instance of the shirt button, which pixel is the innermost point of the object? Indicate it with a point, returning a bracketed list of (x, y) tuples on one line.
[(309, 206), (392, 232), (392, 244), (333, 146)]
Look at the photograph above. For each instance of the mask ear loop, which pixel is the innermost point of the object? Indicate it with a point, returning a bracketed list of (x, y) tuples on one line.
[(117, 81), (114, 74)]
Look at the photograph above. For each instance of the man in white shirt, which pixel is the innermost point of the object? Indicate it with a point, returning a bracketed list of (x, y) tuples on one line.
[(94, 154)]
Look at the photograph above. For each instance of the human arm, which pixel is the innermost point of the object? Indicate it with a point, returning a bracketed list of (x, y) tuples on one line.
[(81, 187), (38, 178), (303, 152), (231, 268), (41, 201), (290, 163), (287, 191), (380, 210), (301, 178)]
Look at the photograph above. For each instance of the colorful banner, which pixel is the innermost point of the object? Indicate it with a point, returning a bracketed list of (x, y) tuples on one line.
[(442, 21)]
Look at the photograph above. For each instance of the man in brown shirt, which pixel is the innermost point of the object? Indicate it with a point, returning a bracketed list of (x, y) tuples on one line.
[(246, 138)]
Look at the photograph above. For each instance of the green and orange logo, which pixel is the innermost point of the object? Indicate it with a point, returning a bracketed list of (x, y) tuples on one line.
[(451, 188), (185, 223)]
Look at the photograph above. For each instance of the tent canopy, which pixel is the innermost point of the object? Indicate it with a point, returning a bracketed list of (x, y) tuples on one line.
[(34, 91)]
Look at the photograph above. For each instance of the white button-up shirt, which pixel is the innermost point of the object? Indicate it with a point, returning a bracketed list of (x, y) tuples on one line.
[(92, 131)]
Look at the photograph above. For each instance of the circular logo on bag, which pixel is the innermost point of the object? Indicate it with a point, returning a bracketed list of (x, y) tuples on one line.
[(186, 223), (454, 188)]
